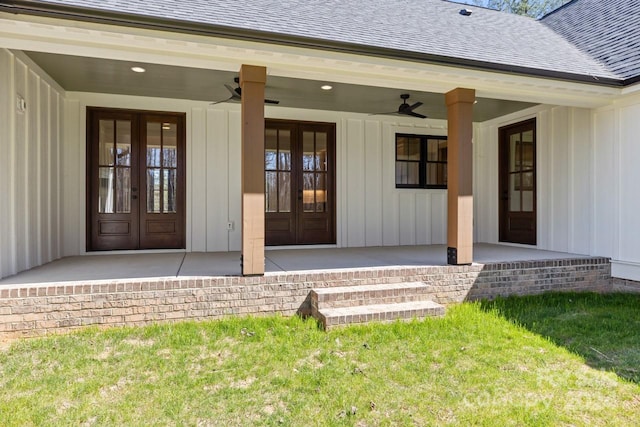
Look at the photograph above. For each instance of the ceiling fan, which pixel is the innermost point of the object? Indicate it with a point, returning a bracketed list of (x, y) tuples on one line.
[(405, 108), (236, 94)]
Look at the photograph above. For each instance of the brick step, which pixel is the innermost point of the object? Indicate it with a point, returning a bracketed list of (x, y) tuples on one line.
[(341, 316), (387, 293)]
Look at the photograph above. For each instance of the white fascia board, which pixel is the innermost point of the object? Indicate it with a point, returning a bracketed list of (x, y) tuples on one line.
[(625, 270), (133, 44), (631, 90)]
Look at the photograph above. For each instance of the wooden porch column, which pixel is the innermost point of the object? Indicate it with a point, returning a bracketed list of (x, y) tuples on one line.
[(460, 176), (252, 81)]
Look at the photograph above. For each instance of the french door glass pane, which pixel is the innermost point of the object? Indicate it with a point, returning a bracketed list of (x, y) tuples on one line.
[(169, 145), (105, 145), (153, 191), (123, 190), (270, 157), (527, 155), (105, 192), (284, 192), (270, 149), (169, 190), (321, 151), (154, 144), (514, 192), (527, 191), (123, 143), (271, 192), (514, 153), (527, 201), (321, 192), (308, 192), (284, 150), (308, 151)]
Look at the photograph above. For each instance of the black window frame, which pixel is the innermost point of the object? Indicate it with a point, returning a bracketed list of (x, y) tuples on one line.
[(424, 162)]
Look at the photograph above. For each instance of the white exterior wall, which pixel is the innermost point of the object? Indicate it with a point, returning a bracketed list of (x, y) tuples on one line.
[(617, 186), (565, 167), (30, 165), (370, 210)]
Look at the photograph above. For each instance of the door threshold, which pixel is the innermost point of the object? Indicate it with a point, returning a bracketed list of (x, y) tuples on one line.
[(136, 251), (518, 245), (278, 248)]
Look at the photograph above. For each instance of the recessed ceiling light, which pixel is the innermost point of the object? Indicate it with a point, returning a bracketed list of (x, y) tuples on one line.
[(138, 69), (326, 87)]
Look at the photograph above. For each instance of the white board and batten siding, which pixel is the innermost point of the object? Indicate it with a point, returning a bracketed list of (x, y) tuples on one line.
[(617, 186), (564, 177), (30, 165), (370, 210)]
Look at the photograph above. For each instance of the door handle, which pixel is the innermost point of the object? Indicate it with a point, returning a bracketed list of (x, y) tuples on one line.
[(134, 197), (299, 194)]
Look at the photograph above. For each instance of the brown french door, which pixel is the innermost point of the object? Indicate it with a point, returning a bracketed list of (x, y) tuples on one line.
[(136, 183), (517, 184), (299, 183)]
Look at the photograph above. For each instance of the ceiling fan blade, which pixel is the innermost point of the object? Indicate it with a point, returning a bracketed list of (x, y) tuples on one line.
[(235, 92), (230, 89), (220, 102), (236, 95), (411, 113), (414, 106), (386, 113)]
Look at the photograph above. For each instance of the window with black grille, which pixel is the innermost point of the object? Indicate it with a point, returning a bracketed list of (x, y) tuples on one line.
[(421, 161)]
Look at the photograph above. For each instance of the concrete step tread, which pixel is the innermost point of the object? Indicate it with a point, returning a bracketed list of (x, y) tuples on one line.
[(381, 308), (369, 288)]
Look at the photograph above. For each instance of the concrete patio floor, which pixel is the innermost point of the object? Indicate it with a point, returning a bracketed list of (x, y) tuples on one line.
[(198, 264)]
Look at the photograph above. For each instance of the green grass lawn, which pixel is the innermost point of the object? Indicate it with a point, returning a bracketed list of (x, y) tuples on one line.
[(546, 360)]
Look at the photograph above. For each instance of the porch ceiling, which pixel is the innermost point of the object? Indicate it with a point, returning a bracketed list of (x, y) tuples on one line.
[(84, 74)]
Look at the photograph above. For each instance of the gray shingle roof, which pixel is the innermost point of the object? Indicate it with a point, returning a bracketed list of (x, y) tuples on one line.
[(607, 30), (432, 28)]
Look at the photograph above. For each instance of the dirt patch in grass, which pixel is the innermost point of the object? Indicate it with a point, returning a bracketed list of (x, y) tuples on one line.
[(114, 389), (136, 342), (312, 360), (244, 383)]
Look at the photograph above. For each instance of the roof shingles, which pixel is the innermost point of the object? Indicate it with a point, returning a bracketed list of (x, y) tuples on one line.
[(427, 27), (609, 31)]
